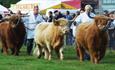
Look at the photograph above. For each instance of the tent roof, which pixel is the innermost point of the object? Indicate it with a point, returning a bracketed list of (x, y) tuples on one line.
[(27, 1), (27, 5), (2, 8), (24, 5)]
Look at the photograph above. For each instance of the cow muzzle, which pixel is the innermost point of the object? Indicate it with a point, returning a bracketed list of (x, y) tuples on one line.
[(105, 27), (65, 30)]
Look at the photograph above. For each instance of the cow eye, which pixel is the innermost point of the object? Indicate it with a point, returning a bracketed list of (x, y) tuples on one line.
[(61, 25)]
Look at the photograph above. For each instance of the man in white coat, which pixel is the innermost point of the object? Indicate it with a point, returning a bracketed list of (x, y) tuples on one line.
[(86, 16), (33, 19)]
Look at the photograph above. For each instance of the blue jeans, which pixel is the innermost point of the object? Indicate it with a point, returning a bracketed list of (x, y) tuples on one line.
[(69, 38)]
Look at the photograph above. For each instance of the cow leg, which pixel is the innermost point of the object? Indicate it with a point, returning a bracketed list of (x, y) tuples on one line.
[(57, 52), (102, 53), (92, 59), (61, 53), (12, 49), (49, 55), (93, 56), (81, 53), (2, 50), (77, 51), (5, 48), (49, 51), (37, 51), (19, 47), (46, 55), (103, 47), (96, 61), (16, 51)]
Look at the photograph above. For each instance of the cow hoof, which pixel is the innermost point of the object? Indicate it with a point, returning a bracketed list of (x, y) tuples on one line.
[(16, 54), (81, 60), (45, 58), (39, 57), (1, 50), (49, 59), (61, 58)]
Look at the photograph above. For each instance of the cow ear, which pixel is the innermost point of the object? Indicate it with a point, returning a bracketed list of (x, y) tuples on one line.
[(98, 19), (56, 22)]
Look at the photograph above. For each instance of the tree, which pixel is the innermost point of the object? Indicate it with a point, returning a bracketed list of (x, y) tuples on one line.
[(7, 3)]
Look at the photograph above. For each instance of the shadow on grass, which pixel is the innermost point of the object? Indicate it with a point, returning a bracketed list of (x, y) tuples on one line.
[(71, 58), (109, 58)]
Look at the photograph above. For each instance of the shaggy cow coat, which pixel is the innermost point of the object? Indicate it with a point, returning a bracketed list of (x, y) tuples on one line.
[(50, 36), (12, 33), (92, 38)]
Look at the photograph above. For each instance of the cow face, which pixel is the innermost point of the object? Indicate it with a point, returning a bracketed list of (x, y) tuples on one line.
[(14, 20), (62, 25), (63, 29), (102, 22)]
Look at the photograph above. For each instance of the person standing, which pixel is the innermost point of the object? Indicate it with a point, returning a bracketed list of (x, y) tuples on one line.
[(58, 14), (33, 19), (50, 16), (111, 31), (69, 37), (86, 16)]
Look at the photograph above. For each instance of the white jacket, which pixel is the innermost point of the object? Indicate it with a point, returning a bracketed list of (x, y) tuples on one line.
[(32, 22), (83, 17)]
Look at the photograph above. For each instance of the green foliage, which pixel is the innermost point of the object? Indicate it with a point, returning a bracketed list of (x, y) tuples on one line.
[(70, 62), (7, 3)]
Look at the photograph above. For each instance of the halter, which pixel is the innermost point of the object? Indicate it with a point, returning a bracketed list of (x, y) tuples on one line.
[(88, 14), (18, 21)]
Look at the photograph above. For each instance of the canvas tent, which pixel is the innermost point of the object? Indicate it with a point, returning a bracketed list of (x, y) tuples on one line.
[(58, 4), (3, 10), (24, 6), (27, 5)]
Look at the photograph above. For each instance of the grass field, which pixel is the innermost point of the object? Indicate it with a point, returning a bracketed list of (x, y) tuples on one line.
[(70, 62)]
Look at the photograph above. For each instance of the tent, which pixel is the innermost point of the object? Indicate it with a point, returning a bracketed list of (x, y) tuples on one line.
[(24, 6), (58, 4), (3, 10), (27, 5)]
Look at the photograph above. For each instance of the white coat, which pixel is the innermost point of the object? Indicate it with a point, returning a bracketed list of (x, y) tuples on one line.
[(83, 17), (32, 22)]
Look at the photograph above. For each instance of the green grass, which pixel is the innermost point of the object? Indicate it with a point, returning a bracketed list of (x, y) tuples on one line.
[(70, 62)]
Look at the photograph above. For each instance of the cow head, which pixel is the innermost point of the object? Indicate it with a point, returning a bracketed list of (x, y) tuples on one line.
[(102, 22), (14, 20), (62, 25)]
